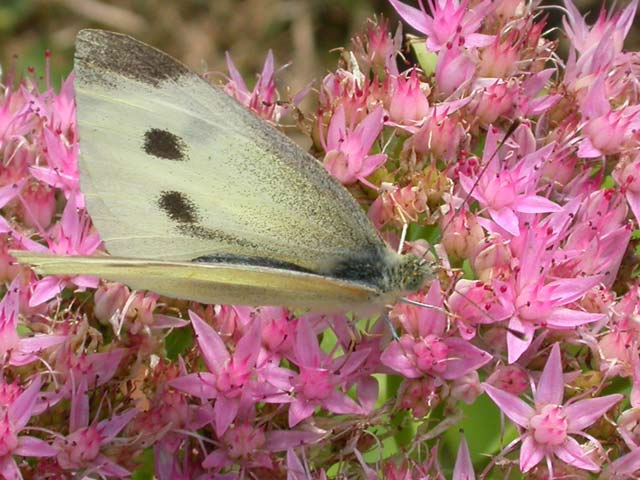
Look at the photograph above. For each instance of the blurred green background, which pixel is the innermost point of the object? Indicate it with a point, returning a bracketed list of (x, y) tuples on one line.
[(200, 31)]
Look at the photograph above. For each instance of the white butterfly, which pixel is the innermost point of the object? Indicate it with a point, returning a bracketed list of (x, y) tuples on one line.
[(197, 198)]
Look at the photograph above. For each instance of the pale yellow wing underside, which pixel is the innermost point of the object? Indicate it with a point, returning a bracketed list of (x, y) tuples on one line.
[(213, 283)]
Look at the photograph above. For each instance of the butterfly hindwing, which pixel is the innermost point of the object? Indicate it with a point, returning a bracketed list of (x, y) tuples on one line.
[(213, 282)]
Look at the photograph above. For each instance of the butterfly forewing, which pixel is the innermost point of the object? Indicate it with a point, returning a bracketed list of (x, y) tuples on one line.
[(173, 168)]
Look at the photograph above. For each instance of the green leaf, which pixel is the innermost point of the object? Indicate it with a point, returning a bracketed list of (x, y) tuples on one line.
[(426, 59), (178, 341), (146, 469)]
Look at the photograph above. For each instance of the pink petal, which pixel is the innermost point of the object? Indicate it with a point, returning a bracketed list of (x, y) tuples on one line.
[(587, 150), (299, 410), (512, 406), (625, 465), (10, 192), (216, 459), (507, 219), (307, 350), (235, 75), (463, 469), (45, 290), (583, 413), (633, 198), (367, 391), (9, 468), (536, 204), (369, 129), (414, 17), (40, 342), (86, 281), (79, 414), (572, 289), (166, 321), (395, 358), (530, 454), (572, 453), (341, 403), (278, 377), (435, 322), (337, 129), (201, 385), (110, 468), (34, 447), (517, 345), (567, 318), (295, 469), (105, 365), (267, 70), (214, 351), (21, 409), (249, 345), (281, 440), (353, 361), (225, 412), (550, 388), (371, 164), (463, 358), (111, 427)]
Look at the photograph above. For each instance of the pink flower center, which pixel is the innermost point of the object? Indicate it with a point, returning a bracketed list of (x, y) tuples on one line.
[(431, 354), (232, 378), (79, 448), (243, 441), (533, 303), (550, 425), (313, 383), (500, 190)]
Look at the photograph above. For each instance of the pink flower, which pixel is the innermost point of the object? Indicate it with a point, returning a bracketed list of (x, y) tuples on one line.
[(14, 349), (13, 420), (426, 349), (231, 379), (455, 68), (82, 448), (584, 38), (537, 302), (548, 426), (320, 377), (409, 101), (347, 149), (606, 131), (74, 235), (263, 99), (505, 190), (449, 18)]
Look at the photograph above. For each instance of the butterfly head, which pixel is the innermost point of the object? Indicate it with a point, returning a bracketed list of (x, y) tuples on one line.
[(410, 273)]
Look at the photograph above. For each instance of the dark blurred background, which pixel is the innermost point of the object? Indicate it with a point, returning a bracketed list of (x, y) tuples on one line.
[(200, 31)]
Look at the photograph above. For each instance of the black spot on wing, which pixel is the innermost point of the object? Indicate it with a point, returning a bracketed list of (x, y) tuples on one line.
[(164, 144), (99, 52), (178, 207)]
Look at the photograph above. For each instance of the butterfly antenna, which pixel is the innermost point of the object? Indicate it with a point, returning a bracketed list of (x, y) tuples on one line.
[(392, 329), (415, 303)]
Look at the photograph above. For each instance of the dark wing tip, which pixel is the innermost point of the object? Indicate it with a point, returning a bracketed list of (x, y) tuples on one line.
[(101, 54)]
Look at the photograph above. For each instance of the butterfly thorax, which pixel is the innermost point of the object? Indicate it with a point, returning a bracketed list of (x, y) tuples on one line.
[(385, 270)]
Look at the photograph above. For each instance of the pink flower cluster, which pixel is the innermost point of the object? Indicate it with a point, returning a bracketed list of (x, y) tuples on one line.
[(518, 166)]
